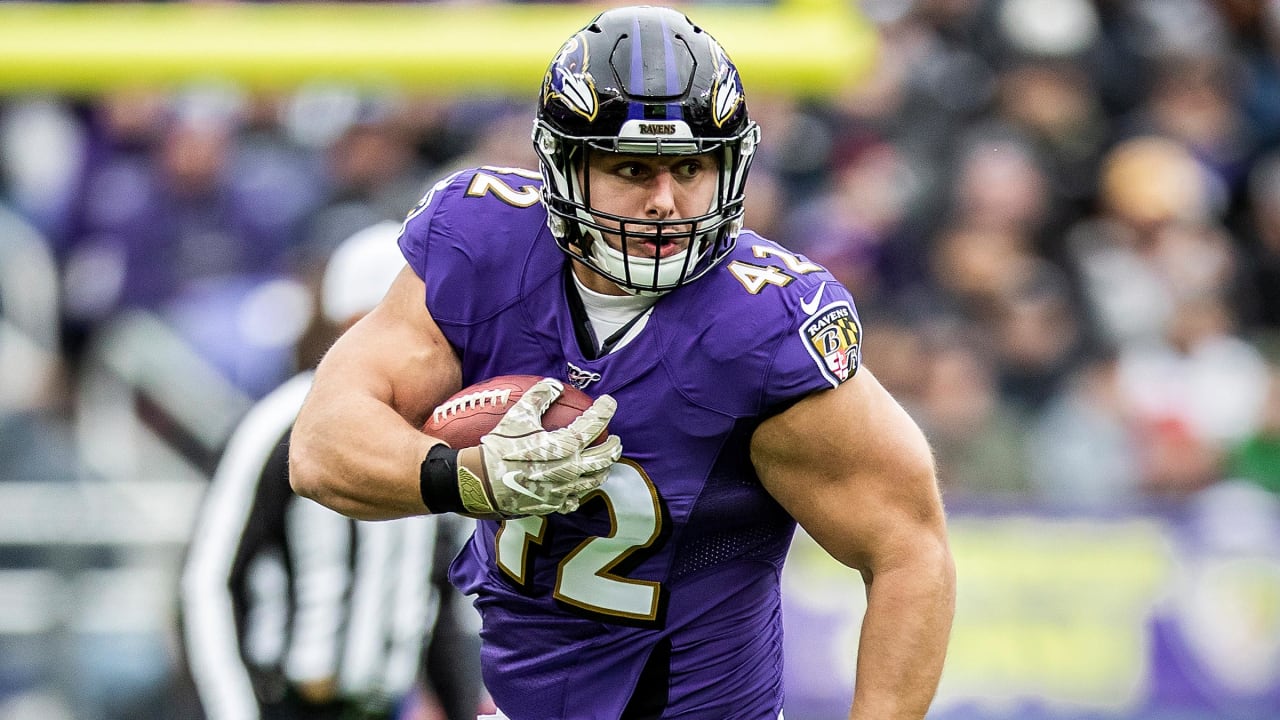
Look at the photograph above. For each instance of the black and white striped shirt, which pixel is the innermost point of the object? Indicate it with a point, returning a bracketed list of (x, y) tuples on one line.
[(278, 590)]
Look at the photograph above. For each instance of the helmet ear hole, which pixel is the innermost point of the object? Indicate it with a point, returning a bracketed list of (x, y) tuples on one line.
[(545, 141)]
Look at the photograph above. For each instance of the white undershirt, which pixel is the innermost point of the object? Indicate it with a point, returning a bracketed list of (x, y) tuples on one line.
[(608, 313)]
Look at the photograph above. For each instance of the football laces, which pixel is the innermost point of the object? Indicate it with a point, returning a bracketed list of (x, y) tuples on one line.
[(497, 397)]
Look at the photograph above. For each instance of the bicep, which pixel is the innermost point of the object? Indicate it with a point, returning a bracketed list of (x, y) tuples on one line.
[(854, 470), (395, 354), (357, 446)]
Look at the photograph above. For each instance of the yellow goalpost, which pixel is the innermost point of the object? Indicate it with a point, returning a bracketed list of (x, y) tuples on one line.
[(802, 47)]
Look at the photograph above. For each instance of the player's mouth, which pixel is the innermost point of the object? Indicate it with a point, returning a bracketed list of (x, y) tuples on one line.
[(656, 248), (671, 241)]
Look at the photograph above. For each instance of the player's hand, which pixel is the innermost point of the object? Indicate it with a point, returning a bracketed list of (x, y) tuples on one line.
[(531, 471)]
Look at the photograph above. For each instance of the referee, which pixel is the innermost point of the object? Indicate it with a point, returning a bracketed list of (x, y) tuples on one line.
[(291, 611)]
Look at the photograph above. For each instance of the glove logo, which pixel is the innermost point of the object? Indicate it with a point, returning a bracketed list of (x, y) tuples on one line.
[(512, 480)]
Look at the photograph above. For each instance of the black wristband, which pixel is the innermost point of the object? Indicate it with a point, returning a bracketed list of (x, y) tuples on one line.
[(438, 480)]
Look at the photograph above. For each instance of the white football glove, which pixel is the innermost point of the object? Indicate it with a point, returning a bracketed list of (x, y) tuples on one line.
[(531, 471)]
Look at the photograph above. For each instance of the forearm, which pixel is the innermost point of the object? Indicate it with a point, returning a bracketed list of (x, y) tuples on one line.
[(904, 637), (357, 456), (357, 446)]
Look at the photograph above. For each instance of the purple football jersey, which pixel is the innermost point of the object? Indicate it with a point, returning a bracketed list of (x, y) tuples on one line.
[(660, 596)]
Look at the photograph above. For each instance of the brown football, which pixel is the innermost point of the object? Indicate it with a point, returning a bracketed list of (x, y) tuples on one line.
[(474, 411)]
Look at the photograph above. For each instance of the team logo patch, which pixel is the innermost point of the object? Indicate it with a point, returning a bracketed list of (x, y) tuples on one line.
[(578, 377), (833, 337)]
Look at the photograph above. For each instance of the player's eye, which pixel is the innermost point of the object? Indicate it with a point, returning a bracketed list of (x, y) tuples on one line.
[(687, 169)]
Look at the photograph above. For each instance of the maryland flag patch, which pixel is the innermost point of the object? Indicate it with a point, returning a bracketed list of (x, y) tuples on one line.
[(833, 337)]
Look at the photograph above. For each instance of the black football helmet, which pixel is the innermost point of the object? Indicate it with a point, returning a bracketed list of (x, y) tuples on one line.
[(642, 80)]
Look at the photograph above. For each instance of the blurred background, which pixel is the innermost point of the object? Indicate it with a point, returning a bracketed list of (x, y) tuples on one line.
[(1060, 220)]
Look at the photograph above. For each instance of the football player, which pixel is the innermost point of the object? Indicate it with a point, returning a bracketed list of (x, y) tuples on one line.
[(638, 577)]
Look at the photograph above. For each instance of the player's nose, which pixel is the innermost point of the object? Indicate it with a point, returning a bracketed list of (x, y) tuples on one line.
[(661, 200)]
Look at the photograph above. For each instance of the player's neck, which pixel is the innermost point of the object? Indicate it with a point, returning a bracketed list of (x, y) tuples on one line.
[(607, 322), (609, 304)]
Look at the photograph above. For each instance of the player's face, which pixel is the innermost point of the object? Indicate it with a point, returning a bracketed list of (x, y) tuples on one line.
[(652, 187)]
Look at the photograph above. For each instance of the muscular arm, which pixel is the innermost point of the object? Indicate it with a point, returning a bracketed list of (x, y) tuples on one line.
[(356, 447), (857, 474)]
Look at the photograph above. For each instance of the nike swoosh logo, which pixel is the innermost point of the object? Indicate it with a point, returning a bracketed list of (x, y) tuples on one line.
[(811, 307), (509, 479)]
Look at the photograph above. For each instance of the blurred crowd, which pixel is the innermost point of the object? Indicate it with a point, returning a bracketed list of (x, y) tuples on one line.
[(1060, 220)]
